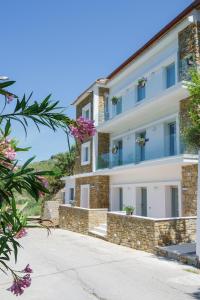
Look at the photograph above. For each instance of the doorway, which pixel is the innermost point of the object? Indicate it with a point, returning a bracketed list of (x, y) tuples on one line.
[(85, 196), (174, 202), (144, 202)]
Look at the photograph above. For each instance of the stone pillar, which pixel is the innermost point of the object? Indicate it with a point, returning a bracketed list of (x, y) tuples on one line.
[(99, 191), (103, 150), (101, 108), (189, 190), (189, 55), (198, 213)]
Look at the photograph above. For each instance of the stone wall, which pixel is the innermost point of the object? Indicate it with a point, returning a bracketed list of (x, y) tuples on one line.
[(101, 104), (189, 41), (189, 190), (50, 212), (88, 99), (147, 233), (129, 231), (80, 220), (175, 231), (99, 190), (103, 150), (78, 168)]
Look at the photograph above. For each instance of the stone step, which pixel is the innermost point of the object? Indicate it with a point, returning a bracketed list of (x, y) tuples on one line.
[(98, 234), (103, 225), (100, 229)]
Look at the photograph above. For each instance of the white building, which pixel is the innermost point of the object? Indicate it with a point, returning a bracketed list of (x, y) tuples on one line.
[(138, 158)]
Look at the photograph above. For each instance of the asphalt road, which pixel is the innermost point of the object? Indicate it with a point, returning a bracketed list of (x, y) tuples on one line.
[(76, 267)]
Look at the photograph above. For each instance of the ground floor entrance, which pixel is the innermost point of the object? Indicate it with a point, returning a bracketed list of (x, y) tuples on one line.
[(148, 200)]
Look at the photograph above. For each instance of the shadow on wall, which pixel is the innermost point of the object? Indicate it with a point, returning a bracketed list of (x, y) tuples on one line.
[(175, 233)]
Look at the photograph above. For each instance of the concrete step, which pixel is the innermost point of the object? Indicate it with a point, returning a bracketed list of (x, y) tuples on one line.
[(99, 231), (185, 253), (98, 235), (103, 225)]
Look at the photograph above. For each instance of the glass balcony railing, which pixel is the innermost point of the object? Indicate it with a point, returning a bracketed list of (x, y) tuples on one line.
[(141, 154)]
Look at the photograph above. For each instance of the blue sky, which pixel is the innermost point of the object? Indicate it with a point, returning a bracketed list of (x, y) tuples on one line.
[(61, 46)]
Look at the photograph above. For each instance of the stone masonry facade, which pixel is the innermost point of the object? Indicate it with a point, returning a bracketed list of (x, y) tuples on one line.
[(189, 190), (146, 233), (189, 172), (101, 104), (103, 150), (81, 220), (78, 169), (99, 191), (189, 48)]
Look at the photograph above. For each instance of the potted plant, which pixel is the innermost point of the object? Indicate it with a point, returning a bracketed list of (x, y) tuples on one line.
[(141, 141), (190, 60), (129, 210), (142, 81), (115, 149), (114, 100)]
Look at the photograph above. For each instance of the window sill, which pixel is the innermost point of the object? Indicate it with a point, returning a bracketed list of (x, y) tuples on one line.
[(85, 163)]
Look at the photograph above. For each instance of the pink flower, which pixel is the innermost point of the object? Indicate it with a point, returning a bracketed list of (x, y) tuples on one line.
[(20, 234), (27, 269), (44, 181), (19, 284), (9, 97), (83, 128), (10, 153)]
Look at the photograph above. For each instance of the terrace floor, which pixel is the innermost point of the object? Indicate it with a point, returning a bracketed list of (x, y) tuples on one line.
[(72, 266)]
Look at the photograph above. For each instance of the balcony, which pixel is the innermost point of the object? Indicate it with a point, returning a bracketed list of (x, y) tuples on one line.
[(141, 154), (158, 106)]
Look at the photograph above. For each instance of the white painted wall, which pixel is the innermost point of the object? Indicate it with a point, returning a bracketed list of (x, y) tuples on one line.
[(157, 179), (156, 201), (161, 173), (156, 147), (153, 69)]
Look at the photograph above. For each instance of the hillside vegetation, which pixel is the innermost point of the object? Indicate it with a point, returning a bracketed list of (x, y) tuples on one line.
[(62, 164)]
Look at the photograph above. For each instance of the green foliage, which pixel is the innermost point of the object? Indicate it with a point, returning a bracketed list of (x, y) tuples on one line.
[(61, 164), (191, 131), (25, 179)]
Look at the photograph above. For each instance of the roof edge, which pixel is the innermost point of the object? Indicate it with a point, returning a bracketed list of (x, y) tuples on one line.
[(157, 36)]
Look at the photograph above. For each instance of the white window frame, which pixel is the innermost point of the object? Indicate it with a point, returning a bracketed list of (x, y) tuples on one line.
[(85, 108), (83, 146)]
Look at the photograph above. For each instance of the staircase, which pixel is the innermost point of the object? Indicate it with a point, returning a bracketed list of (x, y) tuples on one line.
[(99, 231)]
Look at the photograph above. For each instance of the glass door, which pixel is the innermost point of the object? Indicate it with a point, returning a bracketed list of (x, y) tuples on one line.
[(140, 147), (172, 138), (174, 202), (121, 205), (144, 202)]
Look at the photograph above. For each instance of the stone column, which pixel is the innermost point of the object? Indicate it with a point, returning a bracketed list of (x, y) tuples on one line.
[(198, 211)]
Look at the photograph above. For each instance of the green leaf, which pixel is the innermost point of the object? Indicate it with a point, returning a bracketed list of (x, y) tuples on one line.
[(7, 128)]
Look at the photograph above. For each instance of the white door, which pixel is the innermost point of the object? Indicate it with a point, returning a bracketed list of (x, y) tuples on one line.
[(85, 195)]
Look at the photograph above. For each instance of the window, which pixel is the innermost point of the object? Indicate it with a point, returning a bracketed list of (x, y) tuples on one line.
[(106, 108), (71, 194), (174, 202), (170, 75), (141, 92), (172, 138), (86, 111), (85, 153), (117, 107)]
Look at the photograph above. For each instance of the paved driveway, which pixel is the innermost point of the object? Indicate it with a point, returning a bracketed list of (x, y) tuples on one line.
[(71, 266)]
